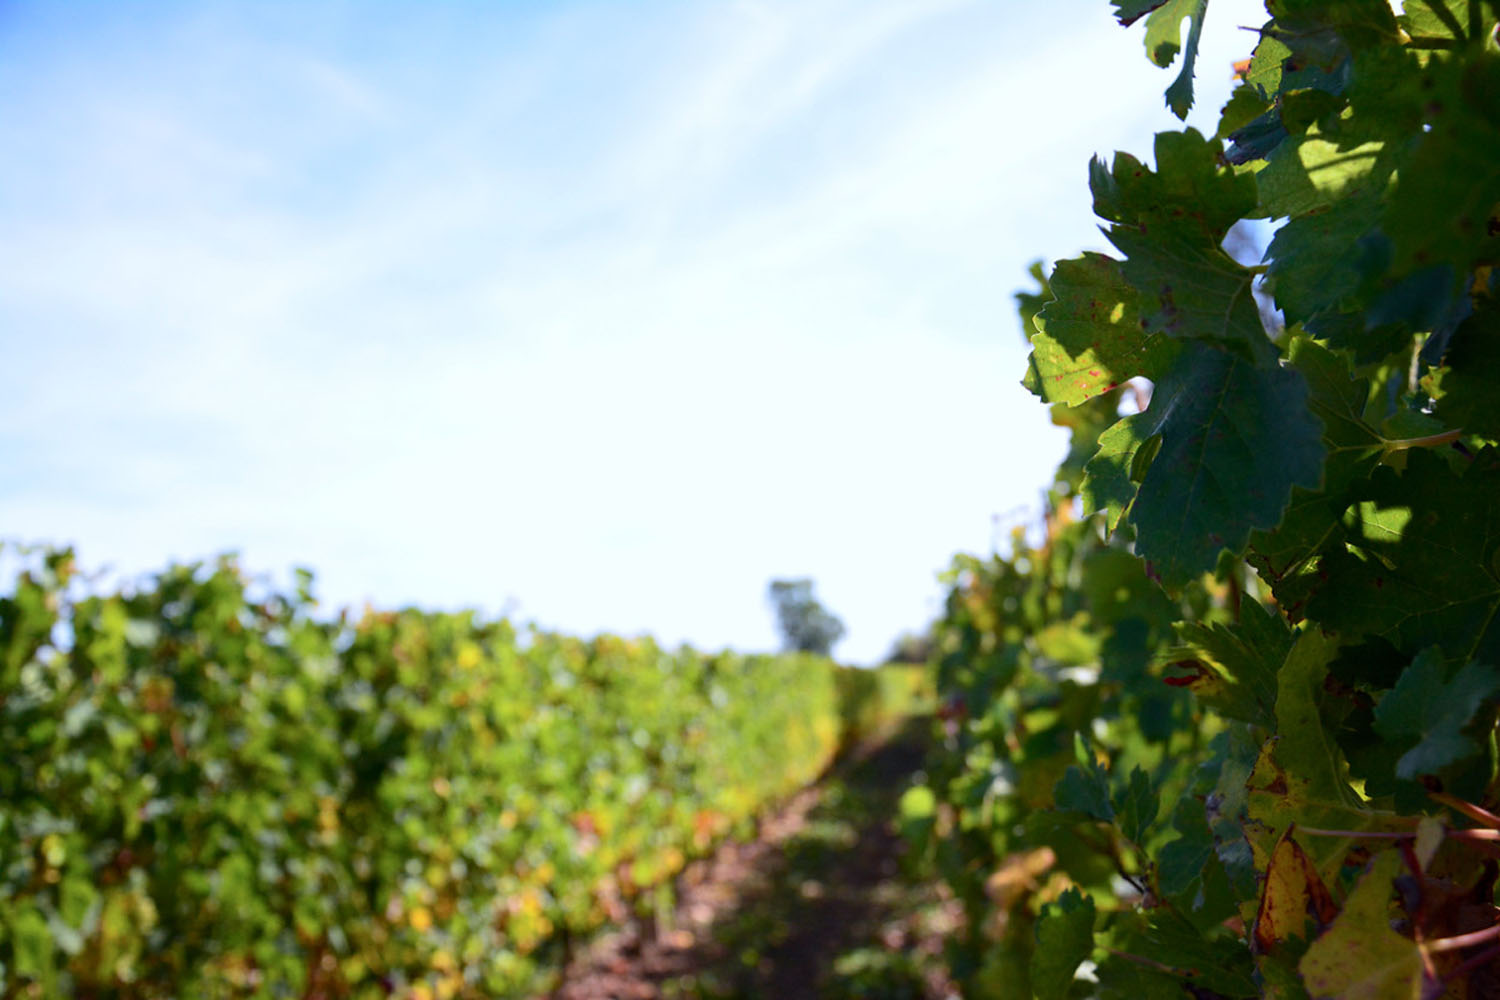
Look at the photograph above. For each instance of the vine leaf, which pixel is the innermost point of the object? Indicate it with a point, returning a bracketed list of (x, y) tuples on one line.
[(1419, 566), (1359, 955), (1085, 791), (1064, 938), (1314, 171), (1300, 777), (1306, 747), (1293, 893), (1189, 871), (1239, 663), (1433, 709), (1471, 372), (1108, 484), (1170, 223), (1136, 806), (1089, 337), (1319, 266), (1234, 438), (1446, 194), (1127, 12), (1331, 28), (1218, 964), (1164, 41), (1436, 19), (1286, 555)]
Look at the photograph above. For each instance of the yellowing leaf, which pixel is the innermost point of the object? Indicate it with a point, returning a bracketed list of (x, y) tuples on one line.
[(1292, 894), (1360, 957)]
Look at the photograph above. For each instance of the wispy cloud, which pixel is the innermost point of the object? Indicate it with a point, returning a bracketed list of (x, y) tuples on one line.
[(620, 321)]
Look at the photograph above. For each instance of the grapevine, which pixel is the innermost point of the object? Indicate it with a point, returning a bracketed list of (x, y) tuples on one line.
[(211, 790), (1227, 727)]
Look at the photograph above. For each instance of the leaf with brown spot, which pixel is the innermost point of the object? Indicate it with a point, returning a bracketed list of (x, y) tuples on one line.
[(1292, 893)]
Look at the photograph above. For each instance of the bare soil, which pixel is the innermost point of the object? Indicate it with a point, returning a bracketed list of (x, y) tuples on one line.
[(822, 904)]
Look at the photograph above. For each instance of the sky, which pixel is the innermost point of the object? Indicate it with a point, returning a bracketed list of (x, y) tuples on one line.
[(600, 315)]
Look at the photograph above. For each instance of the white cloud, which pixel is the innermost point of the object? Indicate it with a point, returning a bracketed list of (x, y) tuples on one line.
[(748, 314)]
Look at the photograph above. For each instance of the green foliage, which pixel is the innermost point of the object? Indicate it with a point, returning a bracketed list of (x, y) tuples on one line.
[(1433, 711), (1269, 651), (208, 791), (874, 702), (1064, 938)]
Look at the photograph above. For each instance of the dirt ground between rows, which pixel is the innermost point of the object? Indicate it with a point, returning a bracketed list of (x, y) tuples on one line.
[(819, 905)]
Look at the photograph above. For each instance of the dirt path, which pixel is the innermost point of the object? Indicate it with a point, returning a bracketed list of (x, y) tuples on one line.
[(818, 906)]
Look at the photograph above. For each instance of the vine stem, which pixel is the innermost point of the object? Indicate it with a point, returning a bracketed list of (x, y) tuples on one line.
[(1314, 831), (1493, 835), (1149, 963), (1463, 940), (1469, 809), (1430, 441), (1483, 958)]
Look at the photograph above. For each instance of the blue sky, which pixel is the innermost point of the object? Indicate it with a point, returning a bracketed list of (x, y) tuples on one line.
[(604, 313)]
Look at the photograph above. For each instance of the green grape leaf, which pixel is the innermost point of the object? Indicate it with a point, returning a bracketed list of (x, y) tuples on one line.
[(1267, 65), (1419, 566), (1164, 42), (1028, 304), (1312, 171), (1408, 424), (1107, 482), (1136, 806), (1285, 556), (1301, 775), (1433, 709), (1190, 193), (1117, 589), (1170, 223), (1234, 439), (1335, 396), (1360, 955), (1333, 26), (1174, 946), (1085, 423), (1306, 748), (1127, 12), (1064, 939), (1089, 338), (1443, 208), (1127, 979), (1444, 20), (1318, 265), (1255, 139), (1189, 871), (76, 897), (31, 944), (1361, 23), (1469, 382), (1245, 105), (1200, 292), (1085, 791), (1236, 665)]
